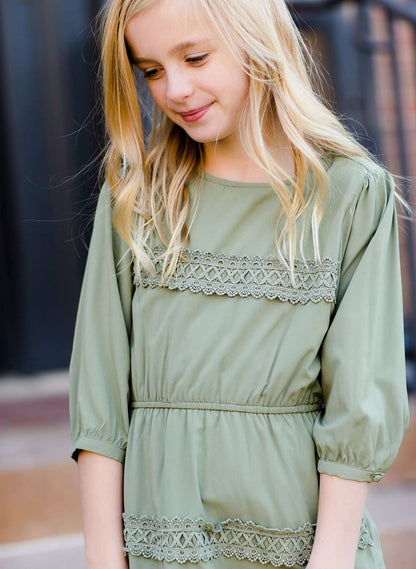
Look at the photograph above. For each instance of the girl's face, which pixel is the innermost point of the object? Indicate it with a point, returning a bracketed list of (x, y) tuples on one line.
[(191, 76)]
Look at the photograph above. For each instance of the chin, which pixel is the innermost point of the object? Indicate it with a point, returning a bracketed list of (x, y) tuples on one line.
[(206, 137)]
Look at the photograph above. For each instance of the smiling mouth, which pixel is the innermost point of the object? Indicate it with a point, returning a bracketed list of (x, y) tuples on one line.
[(195, 114)]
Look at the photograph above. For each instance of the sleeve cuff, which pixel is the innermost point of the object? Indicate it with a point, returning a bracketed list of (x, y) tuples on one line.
[(349, 472), (99, 447)]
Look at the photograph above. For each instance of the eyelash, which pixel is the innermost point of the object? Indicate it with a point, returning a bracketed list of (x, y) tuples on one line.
[(198, 60), (150, 73)]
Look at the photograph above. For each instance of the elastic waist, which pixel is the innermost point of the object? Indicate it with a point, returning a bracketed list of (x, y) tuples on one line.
[(226, 407)]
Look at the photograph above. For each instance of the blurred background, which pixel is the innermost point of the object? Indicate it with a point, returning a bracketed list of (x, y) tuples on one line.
[(51, 134)]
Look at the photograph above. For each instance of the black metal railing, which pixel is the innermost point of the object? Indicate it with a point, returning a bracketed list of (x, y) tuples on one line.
[(38, 326), (358, 49), (393, 12)]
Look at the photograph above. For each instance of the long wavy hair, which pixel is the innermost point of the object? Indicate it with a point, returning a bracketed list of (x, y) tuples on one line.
[(149, 179)]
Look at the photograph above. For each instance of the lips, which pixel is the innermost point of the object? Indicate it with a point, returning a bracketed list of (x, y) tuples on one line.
[(195, 114)]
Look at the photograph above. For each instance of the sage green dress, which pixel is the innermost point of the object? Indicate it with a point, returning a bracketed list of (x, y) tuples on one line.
[(227, 390)]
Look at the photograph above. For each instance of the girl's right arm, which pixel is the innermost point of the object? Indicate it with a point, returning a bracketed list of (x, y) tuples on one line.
[(101, 489), (100, 388)]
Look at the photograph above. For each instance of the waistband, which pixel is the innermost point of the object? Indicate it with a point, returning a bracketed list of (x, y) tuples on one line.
[(204, 406)]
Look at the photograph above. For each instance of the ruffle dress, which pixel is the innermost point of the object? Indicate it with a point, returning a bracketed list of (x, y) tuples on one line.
[(227, 390)]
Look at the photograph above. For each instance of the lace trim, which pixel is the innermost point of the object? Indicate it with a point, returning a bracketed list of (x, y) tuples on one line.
[(232, 275), (187, 539), (364, 539)]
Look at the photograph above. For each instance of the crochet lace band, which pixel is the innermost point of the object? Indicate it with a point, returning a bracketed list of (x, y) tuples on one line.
[(187, 539), (255, 276)]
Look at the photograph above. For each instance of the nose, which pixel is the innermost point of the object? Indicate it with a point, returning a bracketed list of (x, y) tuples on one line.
[(179, 86)]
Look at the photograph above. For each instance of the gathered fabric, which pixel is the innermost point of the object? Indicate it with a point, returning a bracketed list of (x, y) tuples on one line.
[(227, 391)]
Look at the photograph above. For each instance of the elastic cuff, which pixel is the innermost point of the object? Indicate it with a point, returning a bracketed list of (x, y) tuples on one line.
[(99, 447), (349, 472)]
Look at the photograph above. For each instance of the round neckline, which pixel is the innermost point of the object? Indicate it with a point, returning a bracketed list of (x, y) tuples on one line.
[(240, 184), (234, 183)]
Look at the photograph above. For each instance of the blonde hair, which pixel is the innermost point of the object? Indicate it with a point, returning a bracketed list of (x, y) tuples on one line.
[(149, 183)]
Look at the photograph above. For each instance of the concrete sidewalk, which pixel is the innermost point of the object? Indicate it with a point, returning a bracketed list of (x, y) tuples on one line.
[(59, 552), (40, 519)]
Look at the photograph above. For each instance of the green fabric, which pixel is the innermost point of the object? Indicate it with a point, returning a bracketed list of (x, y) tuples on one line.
[(155, 344)]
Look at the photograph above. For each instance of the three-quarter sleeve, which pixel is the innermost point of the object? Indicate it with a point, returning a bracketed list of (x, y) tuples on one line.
[(100, 360), (363, 379)]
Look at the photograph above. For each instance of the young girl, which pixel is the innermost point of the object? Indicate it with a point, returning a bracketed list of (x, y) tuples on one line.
[(237, 375)]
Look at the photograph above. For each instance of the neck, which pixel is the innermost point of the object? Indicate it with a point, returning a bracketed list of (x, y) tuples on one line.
[(231, 164), (228, 159)]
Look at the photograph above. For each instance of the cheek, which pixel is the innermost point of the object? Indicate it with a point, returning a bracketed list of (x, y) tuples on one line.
[(239, 88), (236, 83), (157, 92)]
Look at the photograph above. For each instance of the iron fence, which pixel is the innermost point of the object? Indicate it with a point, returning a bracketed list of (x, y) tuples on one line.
[(37, 229), (380, 41)]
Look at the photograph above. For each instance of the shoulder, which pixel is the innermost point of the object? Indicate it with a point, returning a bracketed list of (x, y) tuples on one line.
[(104, 199), (103, 221), (355, 179)]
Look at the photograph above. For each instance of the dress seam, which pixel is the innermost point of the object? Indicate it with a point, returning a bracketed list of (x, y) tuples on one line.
[(98, 440), (211, 406)]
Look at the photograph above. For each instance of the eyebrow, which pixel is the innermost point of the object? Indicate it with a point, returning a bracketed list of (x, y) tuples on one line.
[(177, 49)]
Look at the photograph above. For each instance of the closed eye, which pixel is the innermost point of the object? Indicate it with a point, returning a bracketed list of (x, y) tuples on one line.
[(193, 60), (197, 58), (150, 73)]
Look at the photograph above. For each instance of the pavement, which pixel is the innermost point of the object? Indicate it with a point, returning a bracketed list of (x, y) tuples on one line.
[(40, 517)]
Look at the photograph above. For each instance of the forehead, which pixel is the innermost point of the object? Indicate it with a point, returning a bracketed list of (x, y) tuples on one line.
[(167, 27)]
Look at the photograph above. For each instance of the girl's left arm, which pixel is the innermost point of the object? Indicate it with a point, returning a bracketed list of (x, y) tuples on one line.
[(340, 511), (363, 373)]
